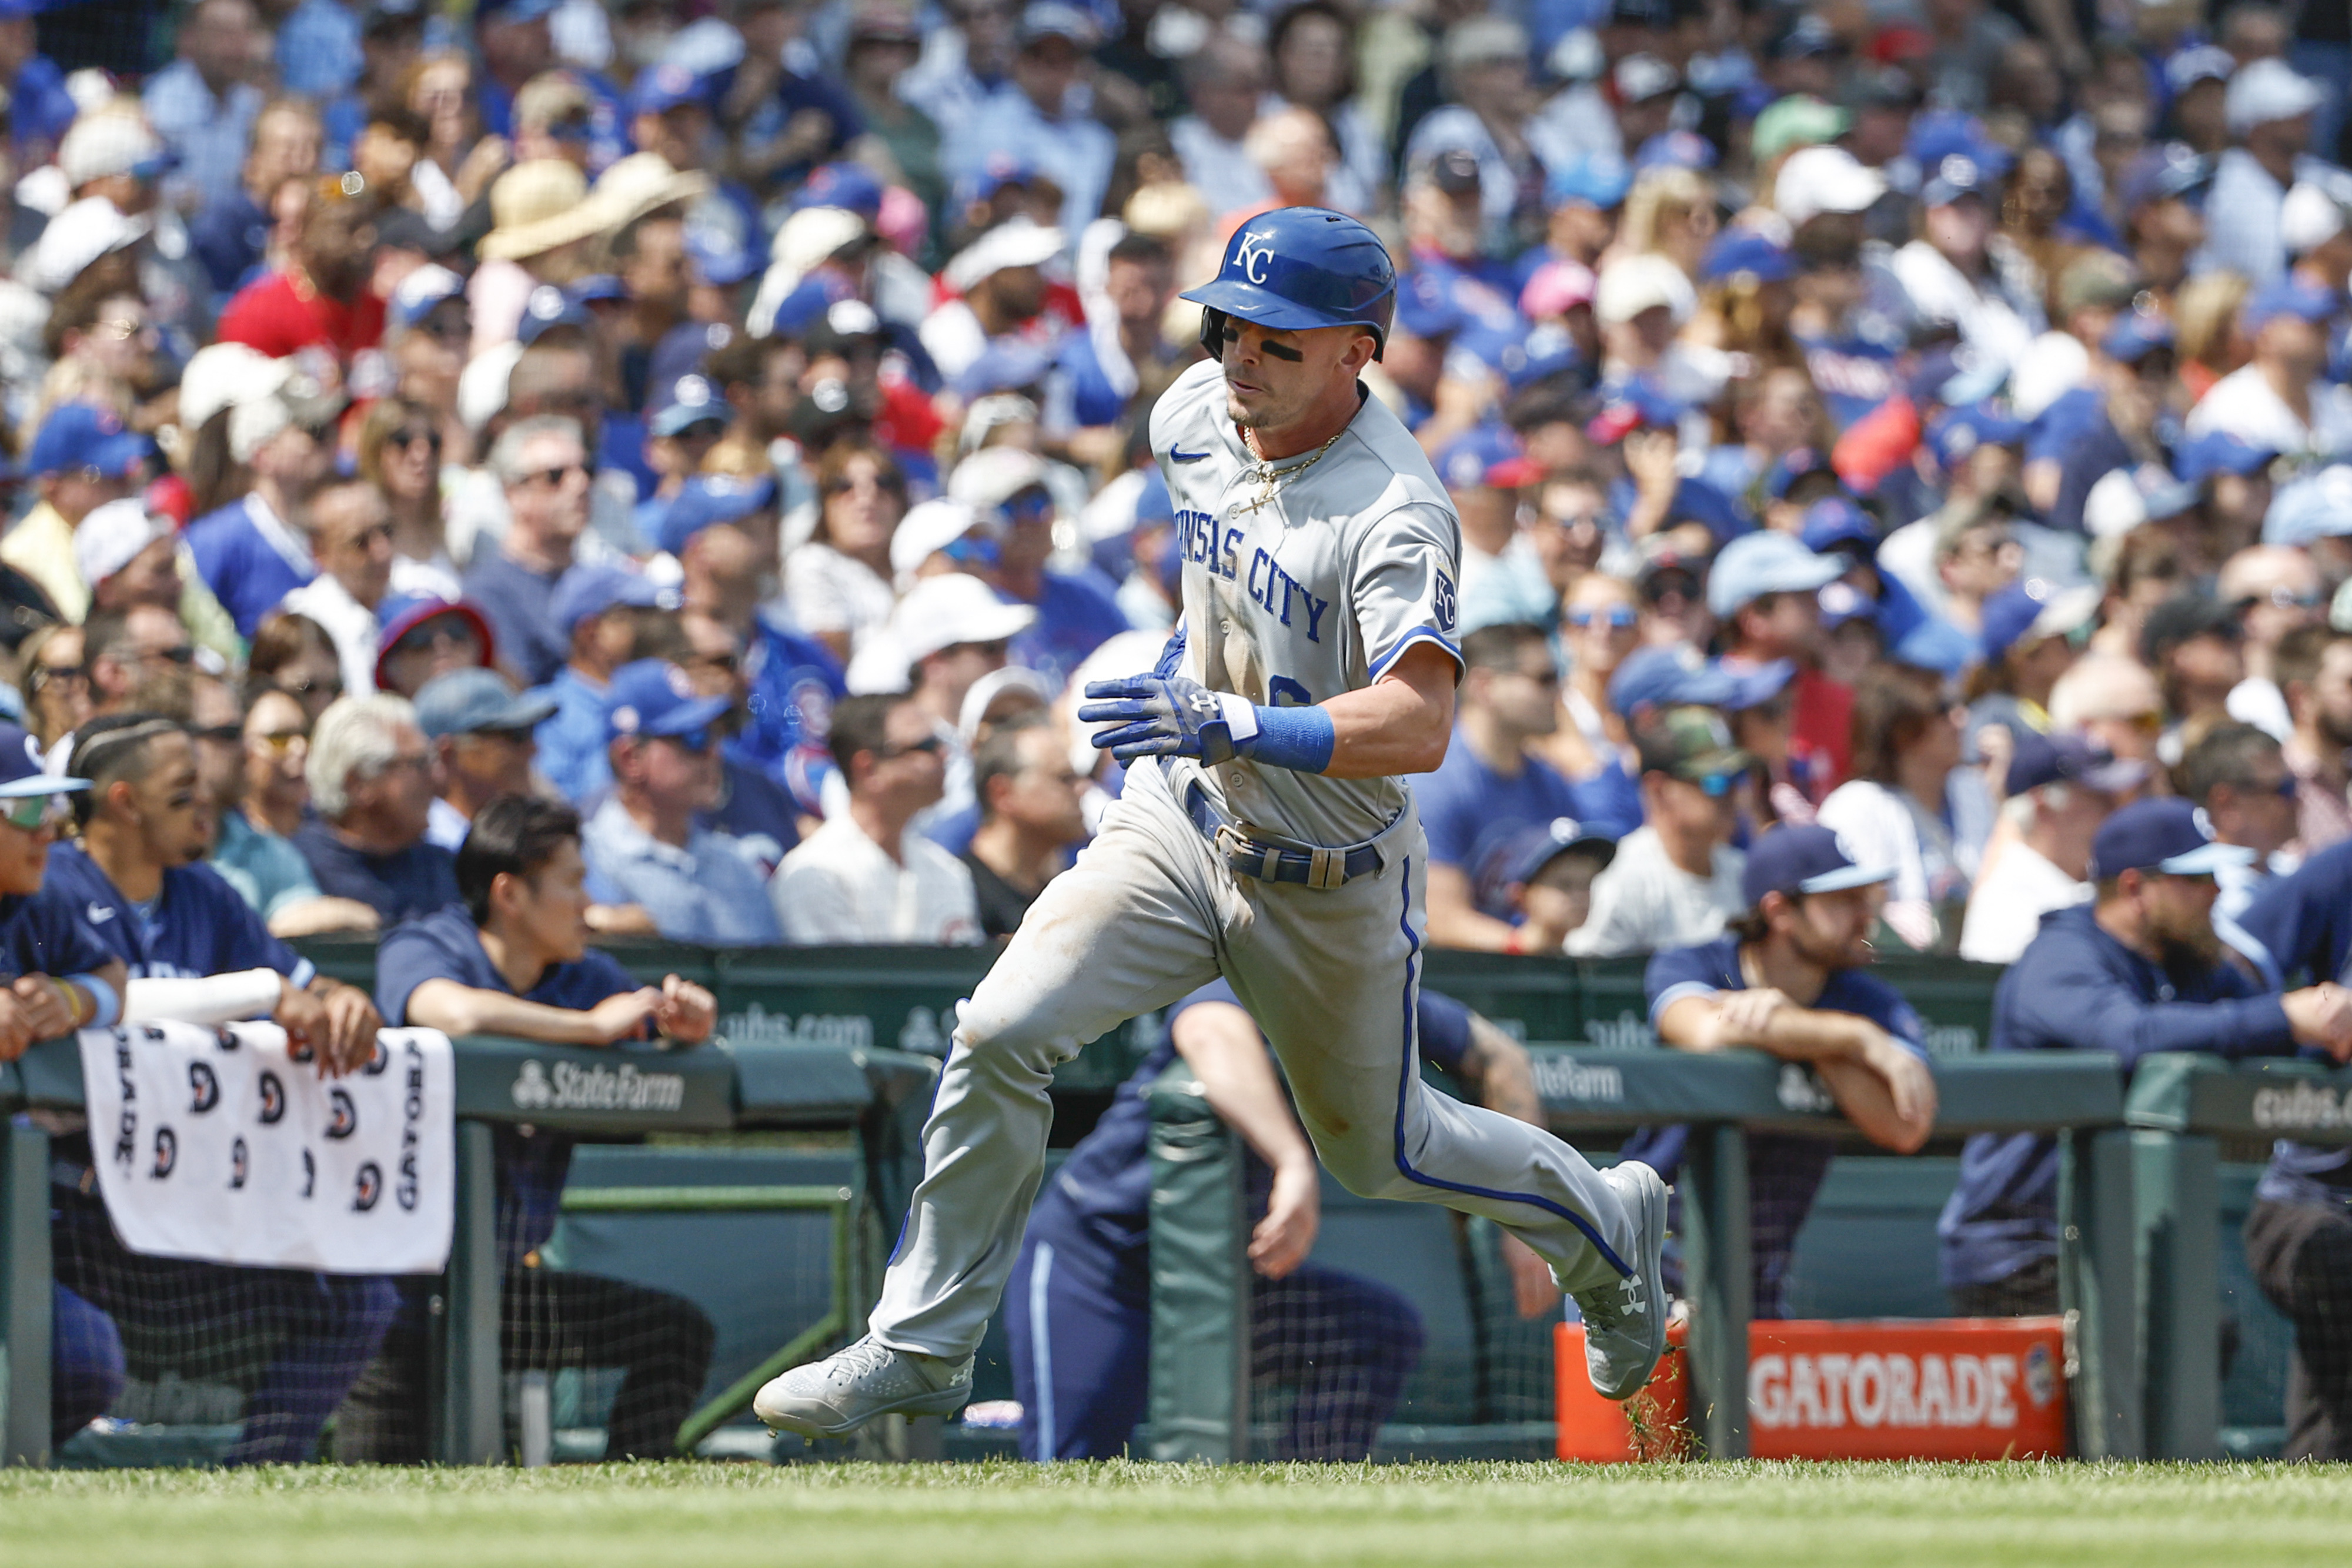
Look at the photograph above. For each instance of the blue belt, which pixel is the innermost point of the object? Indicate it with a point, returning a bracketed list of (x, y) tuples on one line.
[(1272, 862)]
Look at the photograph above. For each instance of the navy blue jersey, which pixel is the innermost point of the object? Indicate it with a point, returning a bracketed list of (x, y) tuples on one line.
[(45, 938), (399, 887), (198, 925), (2301, 927), (2078, 988), (531, 1165), (1784, 1170), (1102, 1194)]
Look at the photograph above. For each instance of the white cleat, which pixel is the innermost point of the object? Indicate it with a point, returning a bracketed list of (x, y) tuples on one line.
[(852, 1385), (1626, 1320)]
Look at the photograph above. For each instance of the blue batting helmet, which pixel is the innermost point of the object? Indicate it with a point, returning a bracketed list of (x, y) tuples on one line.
[(1301, 268)]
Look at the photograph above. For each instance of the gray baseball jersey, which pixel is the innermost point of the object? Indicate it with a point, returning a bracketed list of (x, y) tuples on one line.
[(1313, 592)]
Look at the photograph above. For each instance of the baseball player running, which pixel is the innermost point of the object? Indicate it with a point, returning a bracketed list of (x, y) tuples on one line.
[(1265, 835)]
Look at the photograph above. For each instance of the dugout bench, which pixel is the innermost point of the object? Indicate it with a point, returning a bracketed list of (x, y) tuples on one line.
[(1199, 1401)]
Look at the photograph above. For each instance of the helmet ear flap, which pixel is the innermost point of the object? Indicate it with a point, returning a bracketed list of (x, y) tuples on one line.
[(1212, 333)]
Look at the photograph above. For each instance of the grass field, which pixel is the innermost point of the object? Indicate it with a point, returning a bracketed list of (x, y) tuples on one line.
[(1109, 1515)]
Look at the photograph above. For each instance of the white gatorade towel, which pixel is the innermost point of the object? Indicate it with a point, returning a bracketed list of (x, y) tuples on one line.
[(217, 1145)]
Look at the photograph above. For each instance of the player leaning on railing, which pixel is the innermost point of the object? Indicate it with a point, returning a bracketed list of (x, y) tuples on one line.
[(1264, 834), (515, 960)]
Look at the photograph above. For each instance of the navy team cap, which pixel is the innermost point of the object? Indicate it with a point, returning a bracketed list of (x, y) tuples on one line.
[(1666, 677), (20, 768), (2166, 834), (2070, 759), (1797, 860), (655, 697)]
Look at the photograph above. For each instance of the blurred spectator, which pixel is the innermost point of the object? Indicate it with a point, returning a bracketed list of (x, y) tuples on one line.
[(1038, 116), (231, 235), (1225, 80), (1491, 784), (642, 845), (2138, 970), (838, 581), (254, 849), (203, 104), (1764, 588), (371, 784), (139, 662), (292, 654), (56, 683), (1076, 612), (2274, 591), (128, 555), (543, 462), (350, 535), (423, 638), (399, 448), (1030, 819), (324, 296), (2194, 644), (1911, 805), (864, 877), (2235, 775), (1539, 880), (2112, 702), (2269, 109), (2028, 630), (2313, 669), (255, 550), (479, 731), (597, 608), (2060, 789), (1675, 880), (81, 459), (1784, 979)]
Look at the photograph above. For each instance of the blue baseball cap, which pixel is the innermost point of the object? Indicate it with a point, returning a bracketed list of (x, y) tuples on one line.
[(592, 588), (1547, 351), (655, 697), (664, 87), (2034, 605), (2042, 759), (1636, 403), (1515, 860), (2199, 62), (1835, 521), (1674, 149), (847, 185), (686, 402), (1936, 134), (598, 289), (1008, 364), (2164, 834), (1426, 305), (402, 614), (2134, 336), (420, 291), (711, 498), (548, 309), (1597, 180), (1757, 564), (1487, 456), (477, 701), (1842, 602), (21, 774), (1954, 175), (998, 171), (2163, 174), (1793, 860), (82, 435), (2316, 506), (717, 259), (2200, 457), (1753, 686), (2288, 295), (1955, 375), (1956, 433), (1666, 677), (1742, 250)]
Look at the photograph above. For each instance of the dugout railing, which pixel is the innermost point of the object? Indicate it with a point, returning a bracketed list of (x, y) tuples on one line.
[(1201, 1405), (844, 1041)]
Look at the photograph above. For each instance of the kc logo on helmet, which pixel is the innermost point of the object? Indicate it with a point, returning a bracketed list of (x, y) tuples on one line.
[(1251, 253)]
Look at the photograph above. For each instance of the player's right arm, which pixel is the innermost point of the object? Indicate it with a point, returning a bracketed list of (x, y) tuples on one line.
[(1221, 1045), (1883, 1088), (453, 1009)]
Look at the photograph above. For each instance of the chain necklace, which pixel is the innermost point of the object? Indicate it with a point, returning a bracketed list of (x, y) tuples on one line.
[(1272, 477)]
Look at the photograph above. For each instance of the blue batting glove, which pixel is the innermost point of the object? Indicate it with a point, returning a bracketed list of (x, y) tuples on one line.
[(1167, 716)]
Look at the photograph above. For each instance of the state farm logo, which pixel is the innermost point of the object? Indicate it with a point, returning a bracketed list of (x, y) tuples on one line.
[(1893, 1389), (569, 1086), (1565, 1077), (2304, 1108)]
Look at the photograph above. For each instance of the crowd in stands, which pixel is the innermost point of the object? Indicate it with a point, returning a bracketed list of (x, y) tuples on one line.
[(502, 475)]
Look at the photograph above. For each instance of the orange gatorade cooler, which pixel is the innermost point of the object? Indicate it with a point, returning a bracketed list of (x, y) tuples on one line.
[(1953, 1388)]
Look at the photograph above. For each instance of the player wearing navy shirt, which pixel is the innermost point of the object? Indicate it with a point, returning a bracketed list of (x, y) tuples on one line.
[(136, 888), (1787, 979), (2299, 1231), (1078, 1315), (2138, 970), (515, 960)]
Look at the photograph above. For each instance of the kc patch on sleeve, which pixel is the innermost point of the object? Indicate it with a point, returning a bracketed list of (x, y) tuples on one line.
[(220, 1146)]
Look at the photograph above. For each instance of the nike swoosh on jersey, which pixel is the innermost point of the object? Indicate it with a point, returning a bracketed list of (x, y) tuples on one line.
[(1181, 456), (100, 913)]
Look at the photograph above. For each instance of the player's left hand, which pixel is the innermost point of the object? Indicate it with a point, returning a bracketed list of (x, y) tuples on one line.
[(1160, 715), (688, 1013)]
